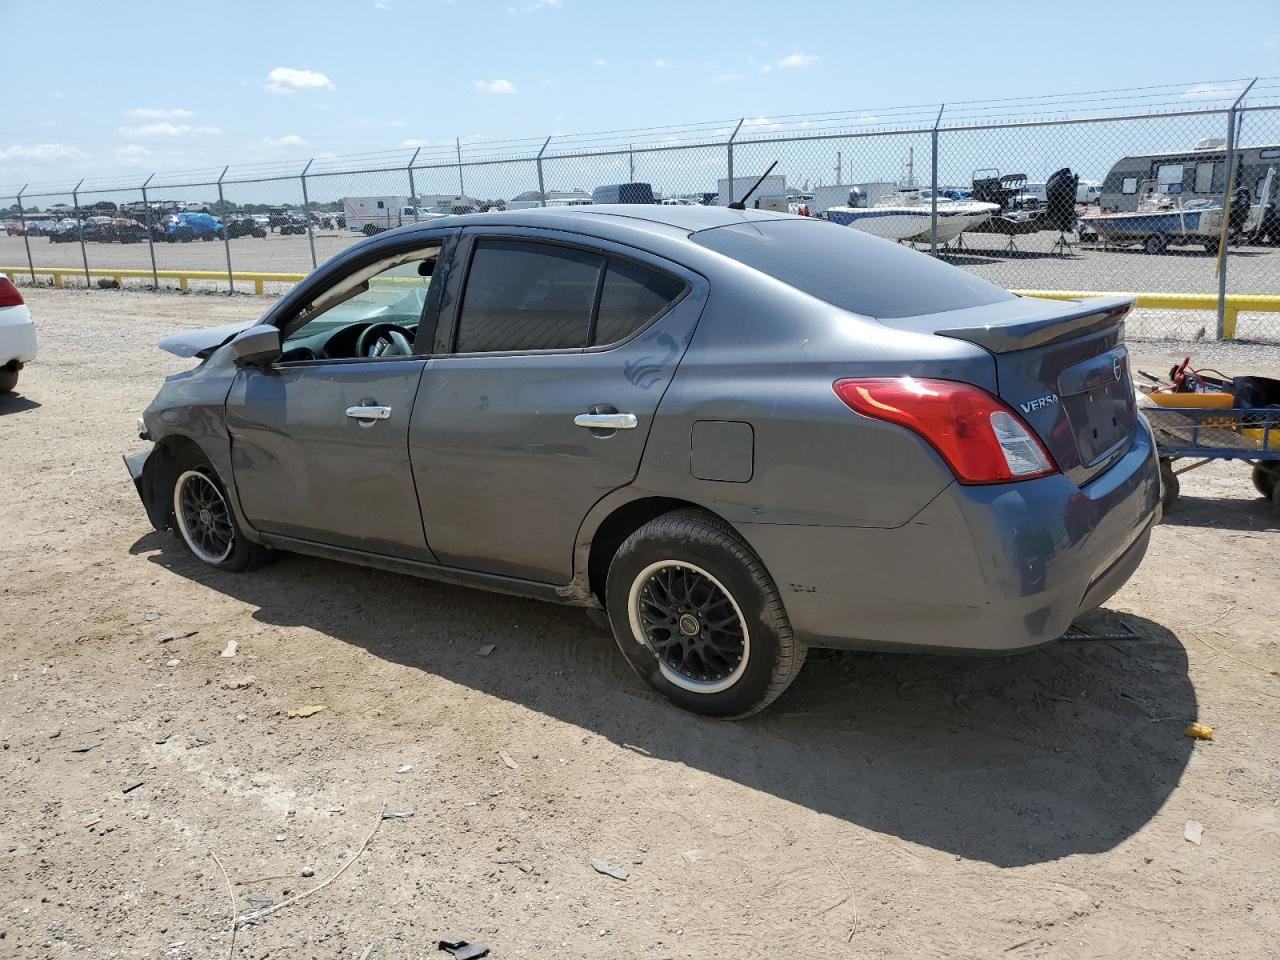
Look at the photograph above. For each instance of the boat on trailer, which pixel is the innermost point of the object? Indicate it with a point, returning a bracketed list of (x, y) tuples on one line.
[(1163, 220), (906, 215)]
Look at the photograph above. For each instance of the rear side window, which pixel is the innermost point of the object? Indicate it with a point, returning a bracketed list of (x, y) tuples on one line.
[(527, 296), (850, 269), (632, 295)]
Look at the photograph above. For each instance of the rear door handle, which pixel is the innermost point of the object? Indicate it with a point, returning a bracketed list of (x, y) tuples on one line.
[(606, 421), (369, 413)]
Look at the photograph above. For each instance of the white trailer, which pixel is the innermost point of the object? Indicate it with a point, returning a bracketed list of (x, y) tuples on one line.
[(370, 215), (772, 187)]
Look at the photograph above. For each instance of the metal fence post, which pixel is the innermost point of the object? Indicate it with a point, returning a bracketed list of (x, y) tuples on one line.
[(22, 217), (413, 191), (84, 253), (151, 240), (733, 136), (933, 186), (542, 190), (226, 234), (457, 144), (1227, 189), (306, 211)]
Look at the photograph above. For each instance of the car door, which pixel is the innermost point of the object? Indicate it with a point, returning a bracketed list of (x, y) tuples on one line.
[(319, 440), (540, 397)]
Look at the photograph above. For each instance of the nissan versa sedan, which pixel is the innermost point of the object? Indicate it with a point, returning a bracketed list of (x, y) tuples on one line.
[(739, 434)]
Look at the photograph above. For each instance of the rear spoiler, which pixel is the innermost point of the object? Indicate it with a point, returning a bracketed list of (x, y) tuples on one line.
[(1034, 322)]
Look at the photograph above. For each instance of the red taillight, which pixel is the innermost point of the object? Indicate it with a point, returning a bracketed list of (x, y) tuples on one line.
[(9, 295), (982, 440)]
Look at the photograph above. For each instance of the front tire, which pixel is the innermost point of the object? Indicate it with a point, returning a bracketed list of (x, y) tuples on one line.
[(698, 617), (206, 523), (8, 379)]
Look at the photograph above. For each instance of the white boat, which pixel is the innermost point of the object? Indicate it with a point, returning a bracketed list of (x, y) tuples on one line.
[(906, 215)]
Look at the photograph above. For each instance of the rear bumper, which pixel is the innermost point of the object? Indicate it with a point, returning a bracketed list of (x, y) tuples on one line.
[(980, 569), (17, 335)]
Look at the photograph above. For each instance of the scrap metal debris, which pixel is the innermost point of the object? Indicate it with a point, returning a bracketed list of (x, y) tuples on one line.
[(506, 758), (610, 869), (1192, 831), (487, 649), (230, 649), (129, 787), (462, 950)]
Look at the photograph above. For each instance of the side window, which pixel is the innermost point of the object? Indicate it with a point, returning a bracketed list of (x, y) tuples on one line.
[(632, 296), (524, 295), (1129, 185), (1204, 177), (394, 294)]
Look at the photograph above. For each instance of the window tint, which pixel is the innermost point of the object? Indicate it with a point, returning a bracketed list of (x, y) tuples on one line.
[(632, 296), (851, 269), (527, 296)]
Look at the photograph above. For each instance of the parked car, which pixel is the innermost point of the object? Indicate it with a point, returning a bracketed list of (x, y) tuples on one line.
[(185, 227), (64, 231), (17, 335), (244, 227), (293, 223), (115, 230), (701, 422)]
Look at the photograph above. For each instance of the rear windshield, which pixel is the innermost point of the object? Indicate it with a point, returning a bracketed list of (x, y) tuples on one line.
[(849, 269)]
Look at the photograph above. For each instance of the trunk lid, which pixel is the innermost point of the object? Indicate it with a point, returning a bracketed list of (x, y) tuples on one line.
[(1063, 368)]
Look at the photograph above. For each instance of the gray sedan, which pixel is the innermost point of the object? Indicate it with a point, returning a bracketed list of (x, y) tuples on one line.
[(735, 434)]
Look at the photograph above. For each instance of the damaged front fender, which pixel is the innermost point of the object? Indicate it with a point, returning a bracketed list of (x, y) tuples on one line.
[(149, 469)]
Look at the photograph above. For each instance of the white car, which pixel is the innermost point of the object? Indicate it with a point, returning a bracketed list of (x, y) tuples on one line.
[(17, 335)]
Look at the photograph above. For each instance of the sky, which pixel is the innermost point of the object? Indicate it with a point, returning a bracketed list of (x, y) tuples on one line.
[(124, 88)]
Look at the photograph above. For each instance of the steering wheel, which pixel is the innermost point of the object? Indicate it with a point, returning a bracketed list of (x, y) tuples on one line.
[(383, 340)]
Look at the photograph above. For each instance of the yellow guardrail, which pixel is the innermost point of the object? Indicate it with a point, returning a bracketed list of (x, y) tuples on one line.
[(183, 277), (1235, 302)]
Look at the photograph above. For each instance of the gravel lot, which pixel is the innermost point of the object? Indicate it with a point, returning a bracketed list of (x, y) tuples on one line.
[(1034, 266), (886, 806)]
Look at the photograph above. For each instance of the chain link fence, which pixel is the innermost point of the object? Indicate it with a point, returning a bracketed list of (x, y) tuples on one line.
[(1172, 192)]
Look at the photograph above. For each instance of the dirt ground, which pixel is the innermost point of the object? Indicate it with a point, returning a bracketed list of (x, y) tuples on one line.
[(886, 806)]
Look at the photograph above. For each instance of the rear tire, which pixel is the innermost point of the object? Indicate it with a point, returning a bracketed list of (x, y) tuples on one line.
[(1169, 485), (8, 379), (697, 616), (1266, 478), (204, 520), (1155, 244)]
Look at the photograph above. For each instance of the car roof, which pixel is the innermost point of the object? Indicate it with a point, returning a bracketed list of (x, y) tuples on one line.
[(687, 219)]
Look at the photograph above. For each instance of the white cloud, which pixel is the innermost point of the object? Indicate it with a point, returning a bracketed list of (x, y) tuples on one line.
[(41, 153), (131, 155), (726, 78), (494, 86), (766, 68), (415, 142), (158, 113), (1213, 91), (661, 64), (599, 62), (759, 122), (166, 129), (291, 80), (533, 6), (288, 140), (799, 60)]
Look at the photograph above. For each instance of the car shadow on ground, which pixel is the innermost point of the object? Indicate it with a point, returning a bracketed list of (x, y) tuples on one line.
[(16, 403), (1066, 750)]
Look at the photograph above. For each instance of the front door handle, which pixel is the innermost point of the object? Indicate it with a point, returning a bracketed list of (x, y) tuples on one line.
[(367, 414), (606, 421)]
